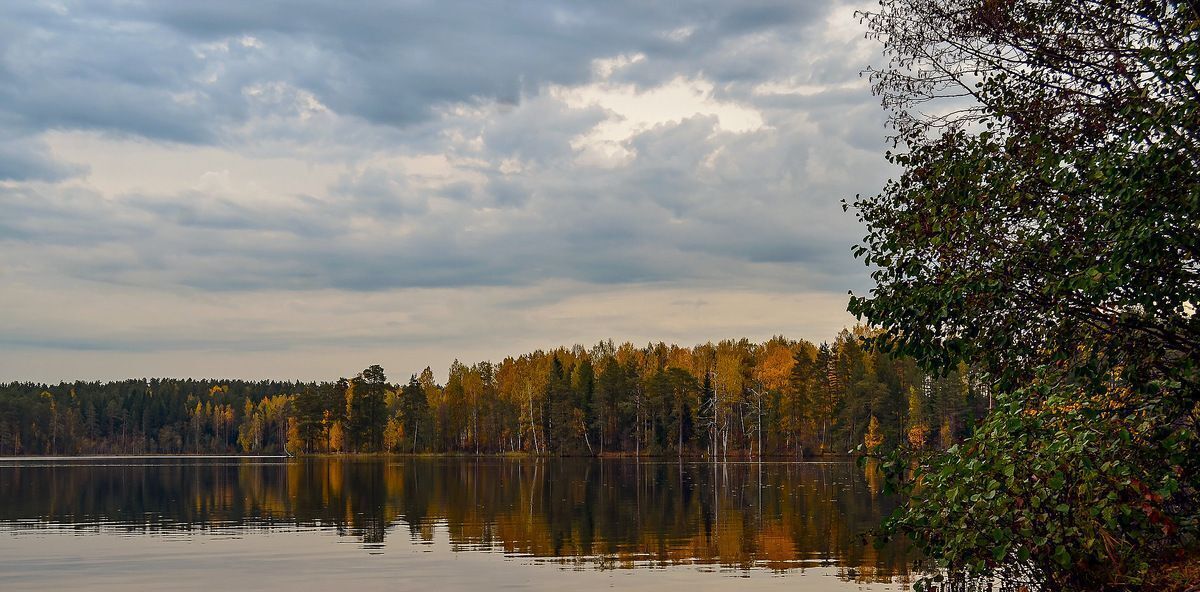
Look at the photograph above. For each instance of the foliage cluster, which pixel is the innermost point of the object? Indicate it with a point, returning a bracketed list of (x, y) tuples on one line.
[(1045, 228), (1068, 490)]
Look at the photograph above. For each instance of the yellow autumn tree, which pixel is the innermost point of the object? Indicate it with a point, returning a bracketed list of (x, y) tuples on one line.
[(337, 437), (946, 434), (294, 444), (393, 434), (918, 434), (774, 367), (873, 438), (918, 428)]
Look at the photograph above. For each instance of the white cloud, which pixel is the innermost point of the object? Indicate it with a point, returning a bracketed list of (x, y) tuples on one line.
[(805, 89), (680, 33), (633, 110)]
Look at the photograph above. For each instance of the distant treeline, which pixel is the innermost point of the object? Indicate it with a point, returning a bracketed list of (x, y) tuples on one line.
[(733, 398)]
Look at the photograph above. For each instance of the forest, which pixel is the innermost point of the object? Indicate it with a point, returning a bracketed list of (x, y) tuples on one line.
[(780, 398)]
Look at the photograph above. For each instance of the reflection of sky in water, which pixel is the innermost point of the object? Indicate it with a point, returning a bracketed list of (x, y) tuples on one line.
[(313, 560), (440, 524)]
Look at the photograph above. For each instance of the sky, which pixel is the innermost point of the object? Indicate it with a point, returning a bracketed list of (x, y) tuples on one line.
[(297, 190)]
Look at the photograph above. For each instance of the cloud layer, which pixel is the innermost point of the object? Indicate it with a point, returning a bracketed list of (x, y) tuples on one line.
[(171, 169)]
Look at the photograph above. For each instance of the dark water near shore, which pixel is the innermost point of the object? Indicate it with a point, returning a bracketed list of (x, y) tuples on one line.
[(440, 524)]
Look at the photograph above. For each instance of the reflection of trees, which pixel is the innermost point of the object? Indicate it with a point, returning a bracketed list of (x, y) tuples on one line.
[(613, 513)]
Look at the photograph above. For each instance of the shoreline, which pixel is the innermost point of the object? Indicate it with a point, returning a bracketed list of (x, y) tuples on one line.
[(438, 455)]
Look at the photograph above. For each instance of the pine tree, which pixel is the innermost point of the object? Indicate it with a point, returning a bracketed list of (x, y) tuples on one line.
[(366, 409), (414, 416)]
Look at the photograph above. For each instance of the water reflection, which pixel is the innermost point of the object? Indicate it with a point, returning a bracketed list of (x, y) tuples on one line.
[(610, 514)]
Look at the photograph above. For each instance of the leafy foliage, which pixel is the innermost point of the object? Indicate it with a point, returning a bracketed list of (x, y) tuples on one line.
[(1060, 205), (1069, 492), (1044, 229)]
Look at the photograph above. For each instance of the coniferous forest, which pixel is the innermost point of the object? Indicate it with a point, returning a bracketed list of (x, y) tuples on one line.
[(728, 399)]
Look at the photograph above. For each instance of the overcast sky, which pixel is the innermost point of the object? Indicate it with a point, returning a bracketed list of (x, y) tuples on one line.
[(301, 189)]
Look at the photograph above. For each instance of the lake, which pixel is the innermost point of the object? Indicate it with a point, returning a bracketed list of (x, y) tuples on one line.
[(441, 524)]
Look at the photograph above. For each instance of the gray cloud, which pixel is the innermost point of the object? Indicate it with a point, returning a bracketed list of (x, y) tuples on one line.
[(664, 217), (28, 160), (459, 148), (176, 70)]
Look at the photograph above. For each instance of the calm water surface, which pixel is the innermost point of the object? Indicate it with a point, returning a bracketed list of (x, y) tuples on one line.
[(440, 524)]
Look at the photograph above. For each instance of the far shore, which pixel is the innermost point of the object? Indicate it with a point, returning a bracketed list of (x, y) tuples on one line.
[(435, 455)]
